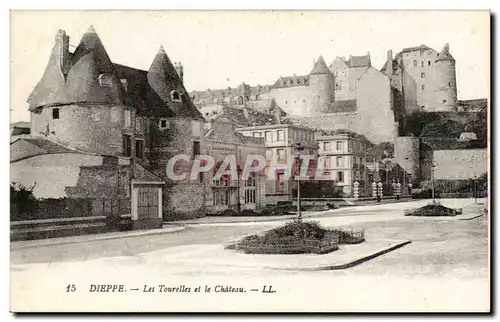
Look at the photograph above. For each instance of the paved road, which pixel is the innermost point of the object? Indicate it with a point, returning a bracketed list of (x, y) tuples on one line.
[(201, 234), (445, 268)]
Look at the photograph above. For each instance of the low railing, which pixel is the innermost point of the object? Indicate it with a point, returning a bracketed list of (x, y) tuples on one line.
[(64, 227), (329, 243)]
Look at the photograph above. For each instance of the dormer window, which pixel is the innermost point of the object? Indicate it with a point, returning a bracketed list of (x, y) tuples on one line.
[(105, 80), (163, 124), (175, 96)]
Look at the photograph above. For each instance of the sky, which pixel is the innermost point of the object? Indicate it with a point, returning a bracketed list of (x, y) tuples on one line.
[(225, 48)]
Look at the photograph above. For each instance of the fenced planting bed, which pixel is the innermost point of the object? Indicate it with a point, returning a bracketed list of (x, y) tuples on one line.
[(297, 237), (433, 210)]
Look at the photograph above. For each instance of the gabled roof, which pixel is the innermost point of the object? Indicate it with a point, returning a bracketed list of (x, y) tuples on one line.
[(418, 48), (320, 67), (359, 61), (164, 79)]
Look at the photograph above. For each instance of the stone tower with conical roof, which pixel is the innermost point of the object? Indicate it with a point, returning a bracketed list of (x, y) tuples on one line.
[(80, 101), (165, 80), (445, 78), (321, 87)]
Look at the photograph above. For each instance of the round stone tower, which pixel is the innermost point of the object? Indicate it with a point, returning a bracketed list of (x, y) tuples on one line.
[(321, 87), (446, 81), (407, 154)]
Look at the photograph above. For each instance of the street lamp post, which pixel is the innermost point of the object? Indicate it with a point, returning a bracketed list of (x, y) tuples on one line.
[(238, 202), (300, 147), (475, 189), (432, 173)]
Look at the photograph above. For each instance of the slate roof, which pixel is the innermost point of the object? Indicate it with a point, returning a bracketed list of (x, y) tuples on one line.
[(359, 61), (49, 146), (81, 84), (237, 116), (140, 95), (445, 54), (320, 67), (164, 79), (147, 91), (417, 48)]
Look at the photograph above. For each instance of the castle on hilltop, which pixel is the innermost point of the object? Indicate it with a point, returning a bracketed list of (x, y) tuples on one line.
[(352, 94)]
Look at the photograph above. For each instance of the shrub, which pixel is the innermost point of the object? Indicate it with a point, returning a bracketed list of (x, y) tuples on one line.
[(297, 237)]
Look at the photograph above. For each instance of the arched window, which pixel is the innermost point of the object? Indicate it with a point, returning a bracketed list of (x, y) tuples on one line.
[(240, 100), (175, 96)]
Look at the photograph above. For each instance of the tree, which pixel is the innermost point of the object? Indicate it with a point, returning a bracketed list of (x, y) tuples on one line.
[(443, 129)]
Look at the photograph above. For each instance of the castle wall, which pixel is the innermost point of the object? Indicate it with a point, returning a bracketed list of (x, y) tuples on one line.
[(91, 128), (375, 107), (434, 81), (407, 155), (322, 91), (341, 77), (445, 95), (293, 100), (456, 164)]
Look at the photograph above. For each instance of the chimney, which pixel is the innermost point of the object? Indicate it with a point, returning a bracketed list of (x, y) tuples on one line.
[(388, 66), (62, 51), (180, 70)]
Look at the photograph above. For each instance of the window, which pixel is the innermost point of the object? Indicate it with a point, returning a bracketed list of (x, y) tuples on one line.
[(340, 145), (444, 101), (257, 96), (269, 136), (175, 96), (449, 84), (429, 63), (196, 149), (128, 118), (127, 145), (139, 125), (240, 100), (354, 160), (55, 113), (281, 135), (221, 197), (421, 53), (250, 189), (139, 148), (286, 102), (163, 124), (281, 154), (327, 162), (105, 80), (423, 87), (280, 183), (124, 83), (340, 161), (422, 63), (326, 146), (422, 75), (340, 176), (414, 63)]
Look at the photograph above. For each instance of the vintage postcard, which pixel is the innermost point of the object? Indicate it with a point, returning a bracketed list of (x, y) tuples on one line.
[(249, 161)]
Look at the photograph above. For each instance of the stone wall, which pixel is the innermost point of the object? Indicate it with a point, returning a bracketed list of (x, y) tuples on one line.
[(293, 100), (455, 164), (91, 128)]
